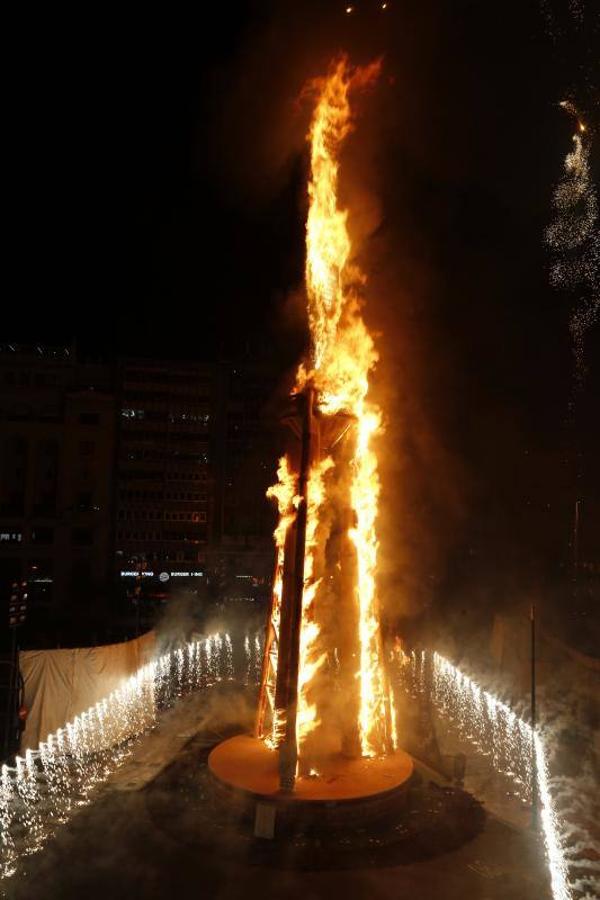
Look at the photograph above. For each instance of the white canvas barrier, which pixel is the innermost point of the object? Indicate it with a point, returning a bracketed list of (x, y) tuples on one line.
[(61, 684)]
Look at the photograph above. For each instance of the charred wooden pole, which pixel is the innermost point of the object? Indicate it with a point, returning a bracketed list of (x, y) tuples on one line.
[(291, 615)]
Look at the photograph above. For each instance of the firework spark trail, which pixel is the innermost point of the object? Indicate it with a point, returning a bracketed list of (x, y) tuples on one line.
[(574, 239), (495, 730), (47, 785)]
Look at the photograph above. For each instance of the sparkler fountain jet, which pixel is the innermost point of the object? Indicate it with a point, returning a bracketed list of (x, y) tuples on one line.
[(324, 701)]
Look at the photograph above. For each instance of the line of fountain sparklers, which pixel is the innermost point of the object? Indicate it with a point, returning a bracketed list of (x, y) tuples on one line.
[(48, 785), (495, 730)]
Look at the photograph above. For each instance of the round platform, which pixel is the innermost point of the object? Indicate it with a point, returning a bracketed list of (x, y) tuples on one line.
[(246, 764)]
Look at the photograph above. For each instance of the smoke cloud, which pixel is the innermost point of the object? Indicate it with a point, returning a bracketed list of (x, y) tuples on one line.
[(446, 179)]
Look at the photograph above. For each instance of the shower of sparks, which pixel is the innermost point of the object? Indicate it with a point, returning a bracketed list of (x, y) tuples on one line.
[(47, 785), (486, 722), (495, 730), (564, 25), (574, 238)]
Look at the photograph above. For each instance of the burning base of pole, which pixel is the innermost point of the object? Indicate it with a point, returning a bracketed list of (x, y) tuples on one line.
[(249, 768), (320, 772)]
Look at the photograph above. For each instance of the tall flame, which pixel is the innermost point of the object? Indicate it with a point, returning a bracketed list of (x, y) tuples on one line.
[(342, 349), (343, 354)]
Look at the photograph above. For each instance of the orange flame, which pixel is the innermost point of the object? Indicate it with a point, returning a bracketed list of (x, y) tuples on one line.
[(342, 357), (343, 354), (342, 348), (310, 658), (284, 492)]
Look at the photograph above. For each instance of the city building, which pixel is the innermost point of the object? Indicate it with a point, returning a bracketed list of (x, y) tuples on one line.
[(194, 460), (134, 479), (57, 449), (247, 435), (164, 479)]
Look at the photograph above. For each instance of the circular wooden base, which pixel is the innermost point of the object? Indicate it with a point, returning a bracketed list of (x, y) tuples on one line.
[(246, 764)]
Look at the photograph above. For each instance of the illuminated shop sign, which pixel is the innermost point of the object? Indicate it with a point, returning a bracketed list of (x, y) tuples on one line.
[(135, 574), (163, 576)]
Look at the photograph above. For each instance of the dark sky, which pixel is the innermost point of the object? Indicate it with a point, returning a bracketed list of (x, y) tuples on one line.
[(144, 181), (157, 175)]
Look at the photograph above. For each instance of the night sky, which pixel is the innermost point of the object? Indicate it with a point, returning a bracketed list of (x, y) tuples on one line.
[(157, 176)]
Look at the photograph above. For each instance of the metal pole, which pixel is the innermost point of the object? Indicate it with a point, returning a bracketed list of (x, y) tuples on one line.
[(534, 797)]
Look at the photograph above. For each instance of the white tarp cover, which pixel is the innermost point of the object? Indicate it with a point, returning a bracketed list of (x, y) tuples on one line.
[(60, 684)]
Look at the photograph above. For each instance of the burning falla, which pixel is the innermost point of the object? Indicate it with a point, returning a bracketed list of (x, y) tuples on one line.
[(339, 642)]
